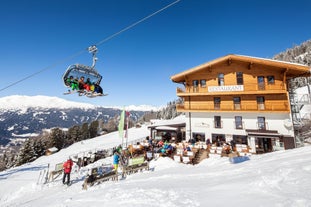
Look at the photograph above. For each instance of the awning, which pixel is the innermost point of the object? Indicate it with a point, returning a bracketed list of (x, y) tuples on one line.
[(166, 128), (263, 133)]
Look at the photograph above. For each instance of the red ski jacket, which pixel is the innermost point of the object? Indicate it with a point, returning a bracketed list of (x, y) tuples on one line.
[(67, 166)]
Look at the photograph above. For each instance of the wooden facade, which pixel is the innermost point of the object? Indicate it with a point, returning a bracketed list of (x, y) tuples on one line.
[(246, 78), (235, 88)]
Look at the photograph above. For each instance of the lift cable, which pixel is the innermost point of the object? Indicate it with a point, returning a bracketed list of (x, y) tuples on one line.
[(82, 51)]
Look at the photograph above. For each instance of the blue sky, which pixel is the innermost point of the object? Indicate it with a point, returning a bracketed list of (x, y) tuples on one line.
[(136, 65)]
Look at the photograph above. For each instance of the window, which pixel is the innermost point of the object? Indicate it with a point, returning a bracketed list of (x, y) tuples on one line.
[(198, 136), (261, 123), (240, 139), (237, 103), (238, 122), (218, 139), (195, 85), (203, 83), (217, 122), (216, 102), (221, 79), (260, 102), (261, 82), (239, 78), (270, 80)]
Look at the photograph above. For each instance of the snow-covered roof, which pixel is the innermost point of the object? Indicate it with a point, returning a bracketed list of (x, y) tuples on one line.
[(176, 121), (166, 128), (53, 149)]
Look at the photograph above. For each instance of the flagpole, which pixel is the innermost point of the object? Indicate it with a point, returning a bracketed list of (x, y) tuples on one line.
[(127, 126)]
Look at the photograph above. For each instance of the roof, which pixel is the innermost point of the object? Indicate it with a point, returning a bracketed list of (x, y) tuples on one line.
[(166, 128), (179, 121), (293, 69), (263, 133), (53, 149)]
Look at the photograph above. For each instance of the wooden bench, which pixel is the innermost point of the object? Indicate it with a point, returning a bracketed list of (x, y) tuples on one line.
[(56, 172), (134, 165), (99, 175)]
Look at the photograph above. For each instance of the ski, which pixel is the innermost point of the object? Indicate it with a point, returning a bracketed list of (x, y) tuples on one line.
[(91, 94), (72, 92), (47, 174), (39, 178)]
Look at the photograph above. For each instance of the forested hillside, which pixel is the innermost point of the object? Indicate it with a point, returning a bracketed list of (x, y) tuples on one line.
[(298, 54)]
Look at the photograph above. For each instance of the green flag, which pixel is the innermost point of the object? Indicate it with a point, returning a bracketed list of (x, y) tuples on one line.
[(121, 124)]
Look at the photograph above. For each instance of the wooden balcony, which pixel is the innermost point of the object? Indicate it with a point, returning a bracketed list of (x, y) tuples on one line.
[(234, 89), (282, 107)]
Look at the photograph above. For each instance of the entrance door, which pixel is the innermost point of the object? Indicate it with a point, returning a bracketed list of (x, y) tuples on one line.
[(263, 145)]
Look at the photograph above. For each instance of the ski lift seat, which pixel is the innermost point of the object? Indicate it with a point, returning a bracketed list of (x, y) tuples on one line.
[(78, 70)]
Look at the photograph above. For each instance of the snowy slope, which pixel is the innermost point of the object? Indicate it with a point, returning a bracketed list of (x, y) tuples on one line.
[(276, 179), (24, 102)]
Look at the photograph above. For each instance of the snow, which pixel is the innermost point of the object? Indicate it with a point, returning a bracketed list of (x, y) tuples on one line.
[(27, 135), (177, 120), (24, 102), (278, 179), (138, 108)]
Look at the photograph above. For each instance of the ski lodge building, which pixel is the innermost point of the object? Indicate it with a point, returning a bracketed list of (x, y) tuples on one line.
[(240, 98)]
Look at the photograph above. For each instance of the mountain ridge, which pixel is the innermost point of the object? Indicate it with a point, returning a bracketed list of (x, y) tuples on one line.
[(26, 116), (23, 102)]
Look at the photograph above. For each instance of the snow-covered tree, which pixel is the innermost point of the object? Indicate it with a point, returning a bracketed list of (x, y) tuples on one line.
[(27, 153)]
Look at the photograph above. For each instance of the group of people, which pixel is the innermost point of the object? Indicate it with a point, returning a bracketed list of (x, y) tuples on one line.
[(149, 145), (81, 85)]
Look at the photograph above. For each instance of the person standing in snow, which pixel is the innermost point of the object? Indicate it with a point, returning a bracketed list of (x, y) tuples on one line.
[(67, 166), (232, 142), (116, 158)]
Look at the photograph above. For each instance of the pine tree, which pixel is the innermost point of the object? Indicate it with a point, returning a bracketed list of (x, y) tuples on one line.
[(85, 131), (26, 153), (93, 129), (39, 147), (74, 134), (3, 162), (56, 138)]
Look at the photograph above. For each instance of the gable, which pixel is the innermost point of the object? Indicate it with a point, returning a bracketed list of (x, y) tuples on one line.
[(217, 65)]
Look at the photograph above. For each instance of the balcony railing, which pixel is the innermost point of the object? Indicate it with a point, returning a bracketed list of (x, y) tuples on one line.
[(232, 88), (280, 106)]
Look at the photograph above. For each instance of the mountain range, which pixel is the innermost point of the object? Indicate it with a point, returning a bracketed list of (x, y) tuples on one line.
[(26, 116)]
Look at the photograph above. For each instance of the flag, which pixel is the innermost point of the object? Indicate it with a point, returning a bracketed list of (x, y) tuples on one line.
[(127, 114), (121, 124)]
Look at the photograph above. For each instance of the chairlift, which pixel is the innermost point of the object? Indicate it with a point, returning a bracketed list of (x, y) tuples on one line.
[(76, 71)]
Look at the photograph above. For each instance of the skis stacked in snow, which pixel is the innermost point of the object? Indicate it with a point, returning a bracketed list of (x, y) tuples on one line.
[(43, 176)]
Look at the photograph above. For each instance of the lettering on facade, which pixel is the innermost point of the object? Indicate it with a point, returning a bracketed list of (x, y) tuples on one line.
[(225, 88), (201, 124)]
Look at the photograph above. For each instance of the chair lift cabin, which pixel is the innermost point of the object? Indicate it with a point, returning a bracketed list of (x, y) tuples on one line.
[(242, 99)]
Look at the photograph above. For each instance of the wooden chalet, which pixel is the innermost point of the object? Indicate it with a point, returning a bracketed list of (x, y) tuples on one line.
[(240, 98)]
